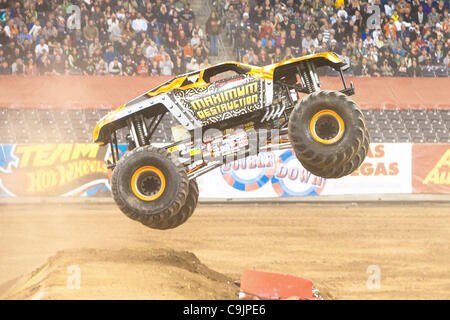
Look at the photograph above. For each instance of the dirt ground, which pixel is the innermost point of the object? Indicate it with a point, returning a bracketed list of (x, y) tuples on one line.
[(333, 245)]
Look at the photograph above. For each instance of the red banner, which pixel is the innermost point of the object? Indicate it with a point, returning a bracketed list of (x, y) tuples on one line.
[(431, 168)]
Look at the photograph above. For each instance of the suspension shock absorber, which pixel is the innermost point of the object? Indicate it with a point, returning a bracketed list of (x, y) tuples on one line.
[(140, 134), (308, 81), (307, 74), (137, 131), (304, 75)]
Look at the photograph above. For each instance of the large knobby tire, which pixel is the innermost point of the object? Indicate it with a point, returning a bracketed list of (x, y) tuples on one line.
[(148, 185), (343, 169), (326, 129), (181, 216)]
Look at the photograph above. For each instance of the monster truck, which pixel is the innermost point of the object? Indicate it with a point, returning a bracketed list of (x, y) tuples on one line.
[(223, 113)]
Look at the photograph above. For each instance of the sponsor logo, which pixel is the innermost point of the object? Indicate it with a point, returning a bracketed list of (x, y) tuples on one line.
[(51, 169), (377, 166), (284, 172), (228, 100), (431, 168), (251, 173), (291, 179), (440, 173)]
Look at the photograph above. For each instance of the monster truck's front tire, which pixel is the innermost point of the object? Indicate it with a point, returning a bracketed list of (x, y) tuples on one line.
[(181, 216), (326, 129), (345, 168), (148, 185)]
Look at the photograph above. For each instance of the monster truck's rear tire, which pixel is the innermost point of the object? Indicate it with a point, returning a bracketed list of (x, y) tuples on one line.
[(345, 168), (181, 216), (326, 129), (147, 184)]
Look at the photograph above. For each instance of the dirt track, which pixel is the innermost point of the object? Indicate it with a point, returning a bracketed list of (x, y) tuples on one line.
[(333, 245)]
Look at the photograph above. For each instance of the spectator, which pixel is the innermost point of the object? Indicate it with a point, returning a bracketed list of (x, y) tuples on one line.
[(115, 67), (402, 69), (386, 69), (111, 54), (212, 29), (41, 48), (5, 68), (90, 32), (36, 28), (101, 68), (18, 68), (89, 70), (116, 32), (30, 68), (363, 68), (433, 17), (192, 65), (374, 72), (43, 64), (151, 49), (142, 68), (59, 66), (48, 30), (139, 24), (166, 66), (129, 69), (414, 70), (128, 32), (187, 15), (232, 17), (154, 68)]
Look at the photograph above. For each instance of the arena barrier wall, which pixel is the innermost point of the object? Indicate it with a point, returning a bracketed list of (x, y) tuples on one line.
[(73, 170), (108, 91)]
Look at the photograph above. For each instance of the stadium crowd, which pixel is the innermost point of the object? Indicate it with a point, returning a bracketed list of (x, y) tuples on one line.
[(103, 37), (411, 37), (162, 37)]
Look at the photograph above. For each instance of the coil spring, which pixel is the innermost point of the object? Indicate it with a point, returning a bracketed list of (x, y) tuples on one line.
[(140, 132), (308, 81)]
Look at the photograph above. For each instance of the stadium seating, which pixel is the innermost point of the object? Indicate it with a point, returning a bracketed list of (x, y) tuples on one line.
[(76, 125)]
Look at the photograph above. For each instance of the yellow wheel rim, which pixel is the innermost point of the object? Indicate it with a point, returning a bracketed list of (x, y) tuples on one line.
[(334, 127), (148, 183)]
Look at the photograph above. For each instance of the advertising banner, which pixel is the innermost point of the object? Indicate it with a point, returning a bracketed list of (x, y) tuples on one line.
[(431, 168), (53, 170), (387, 169)]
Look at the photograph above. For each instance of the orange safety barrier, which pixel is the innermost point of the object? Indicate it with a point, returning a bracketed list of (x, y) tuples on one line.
[(109, 92)]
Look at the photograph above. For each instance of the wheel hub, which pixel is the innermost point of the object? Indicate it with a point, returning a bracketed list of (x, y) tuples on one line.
[(327, 127), (148, 183)]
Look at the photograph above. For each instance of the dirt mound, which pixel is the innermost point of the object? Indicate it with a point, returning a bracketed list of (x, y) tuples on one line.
[(122, 274)]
